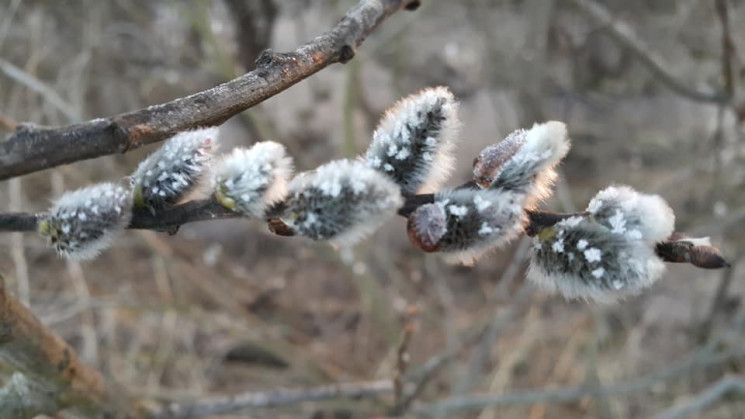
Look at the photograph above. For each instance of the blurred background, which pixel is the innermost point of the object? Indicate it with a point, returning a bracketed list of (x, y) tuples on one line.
[(226, 306)]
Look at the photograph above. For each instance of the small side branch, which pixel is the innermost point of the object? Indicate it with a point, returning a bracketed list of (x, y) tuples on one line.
[(32, 148)]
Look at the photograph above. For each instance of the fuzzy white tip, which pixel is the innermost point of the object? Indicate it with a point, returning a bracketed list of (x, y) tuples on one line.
[(342, 201), (529, 166), (84, 222), (629, 212), (414, 142), (251, 180), (163, 178)]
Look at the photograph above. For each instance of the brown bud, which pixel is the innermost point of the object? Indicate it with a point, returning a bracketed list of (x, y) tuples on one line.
[(279, 228), (426, 226)]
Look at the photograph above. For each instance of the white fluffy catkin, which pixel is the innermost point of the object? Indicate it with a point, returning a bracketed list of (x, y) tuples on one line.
[(251, 180), (524, 161), (163, 178), (342, 201), (608, 254), (414, 141), (464, 224), (581, 258), (85, 221)]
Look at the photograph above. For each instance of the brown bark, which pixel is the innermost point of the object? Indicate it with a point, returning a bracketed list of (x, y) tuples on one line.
[(32, 148), (31, 349)]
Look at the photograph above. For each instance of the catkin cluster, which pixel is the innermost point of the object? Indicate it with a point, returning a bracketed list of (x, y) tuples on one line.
[(605, 254)]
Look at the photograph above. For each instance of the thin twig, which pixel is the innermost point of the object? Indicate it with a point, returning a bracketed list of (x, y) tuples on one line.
[(33, 148), (624, 35), (39, 87), (273, 398), (728, 48), (715, 392), (570, 394)]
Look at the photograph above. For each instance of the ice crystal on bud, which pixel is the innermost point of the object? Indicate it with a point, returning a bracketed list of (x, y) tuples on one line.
[(466, 223), (414, 142), (637, 215), (583, 258), (85, 221), (524, 161), (251, 180), (167, 175), (342, 201)]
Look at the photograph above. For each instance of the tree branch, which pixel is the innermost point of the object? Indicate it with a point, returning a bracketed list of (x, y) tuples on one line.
[(624, 35), (676, 250), (273, 398), (52, 368), (715, 392), (32, 148), (569, 394)]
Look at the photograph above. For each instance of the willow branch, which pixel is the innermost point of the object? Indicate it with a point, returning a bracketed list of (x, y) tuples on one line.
[(32, 148), (46, 363), (655, 63), (678, 250)]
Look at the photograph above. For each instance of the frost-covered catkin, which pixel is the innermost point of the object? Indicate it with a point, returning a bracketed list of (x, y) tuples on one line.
[(251, 180), (524, 161), (85, 221), (466, 223), (608, 254), (414, 142), (342, 201), (626, 211), (167, 175)]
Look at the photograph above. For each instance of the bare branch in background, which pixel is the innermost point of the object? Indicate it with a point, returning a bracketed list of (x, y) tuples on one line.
[(273, 398), (50, 366), (626, 36), (32, 148), (718, 390)]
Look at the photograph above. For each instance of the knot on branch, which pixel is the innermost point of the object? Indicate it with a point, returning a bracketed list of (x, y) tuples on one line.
[(346, 54), (412, 5)]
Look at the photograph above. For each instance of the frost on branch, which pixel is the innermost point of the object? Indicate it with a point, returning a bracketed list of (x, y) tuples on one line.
[(466, 223), (85, 221), (251, 180), (524, 161), (608, 254), (414, 142), (342, 201), (167, 175)]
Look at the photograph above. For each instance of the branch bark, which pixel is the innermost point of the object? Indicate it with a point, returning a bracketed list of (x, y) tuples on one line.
[(51, 367), (32, 148)]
